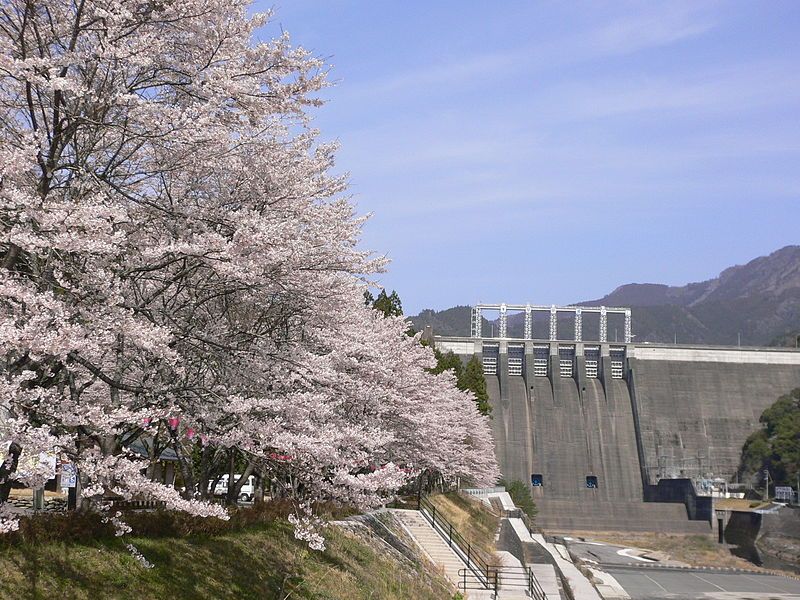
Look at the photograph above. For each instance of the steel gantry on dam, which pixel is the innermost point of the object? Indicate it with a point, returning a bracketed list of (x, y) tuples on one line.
[(529, 310)]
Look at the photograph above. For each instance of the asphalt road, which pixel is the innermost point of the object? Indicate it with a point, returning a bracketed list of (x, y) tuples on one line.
[(659, 584), (603, 554), (646, 580)]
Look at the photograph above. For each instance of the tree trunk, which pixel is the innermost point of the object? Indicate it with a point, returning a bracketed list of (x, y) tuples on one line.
[(258, 496), (185, 465), (8, 467), (235, 488)]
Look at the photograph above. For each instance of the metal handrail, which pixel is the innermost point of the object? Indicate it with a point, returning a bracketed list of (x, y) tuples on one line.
[(526, 520), (487, 576), (474, 561), (501, 577), (534, 588), (468, 581)]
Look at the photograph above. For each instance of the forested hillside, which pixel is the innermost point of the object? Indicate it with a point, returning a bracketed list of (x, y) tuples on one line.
[(757, 303)]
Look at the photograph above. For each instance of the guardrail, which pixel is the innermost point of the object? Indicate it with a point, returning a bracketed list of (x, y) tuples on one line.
[(482, 492), (504, 578), (137, 504), (466, 581), (534, 588)]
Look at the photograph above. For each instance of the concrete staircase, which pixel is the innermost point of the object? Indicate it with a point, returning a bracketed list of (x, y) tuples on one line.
[(548, 579), (513, 581), (440, 553), (512, 575)]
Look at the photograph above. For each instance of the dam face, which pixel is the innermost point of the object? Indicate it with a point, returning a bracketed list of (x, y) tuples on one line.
[(697, 405), (612, 436)]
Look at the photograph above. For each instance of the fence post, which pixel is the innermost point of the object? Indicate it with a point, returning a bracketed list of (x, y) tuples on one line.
[(465, 582), (530, 583)]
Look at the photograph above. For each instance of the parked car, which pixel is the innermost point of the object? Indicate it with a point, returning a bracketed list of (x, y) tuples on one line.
[(246, 494)]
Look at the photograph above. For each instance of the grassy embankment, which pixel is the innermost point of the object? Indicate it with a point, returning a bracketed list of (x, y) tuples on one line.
[(473, 519), (261, 560)]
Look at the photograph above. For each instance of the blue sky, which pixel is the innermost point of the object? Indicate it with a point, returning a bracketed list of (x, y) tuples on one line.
[(548, 152)]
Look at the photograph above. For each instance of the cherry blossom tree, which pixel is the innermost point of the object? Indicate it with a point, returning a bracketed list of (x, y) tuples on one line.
[(181, 266)]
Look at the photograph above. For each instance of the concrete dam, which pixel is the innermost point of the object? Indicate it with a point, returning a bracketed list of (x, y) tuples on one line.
[(618, 436)]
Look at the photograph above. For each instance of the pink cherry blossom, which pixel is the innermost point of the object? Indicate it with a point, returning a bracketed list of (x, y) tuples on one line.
[(174, 246)]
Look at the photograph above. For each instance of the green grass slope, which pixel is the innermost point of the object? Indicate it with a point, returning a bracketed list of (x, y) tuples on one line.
[(263, 561)]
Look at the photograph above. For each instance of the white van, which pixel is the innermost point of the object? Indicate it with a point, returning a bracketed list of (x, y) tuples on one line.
[(246, 494)]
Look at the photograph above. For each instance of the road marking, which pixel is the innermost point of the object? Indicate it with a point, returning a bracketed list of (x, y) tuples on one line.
[(764, 583), (625, 552), (721, 589), (663, 589), (588, 543)]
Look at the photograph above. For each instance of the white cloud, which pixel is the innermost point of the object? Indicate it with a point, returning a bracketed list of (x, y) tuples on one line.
[(660, 25), (655, 26), (721, 90)]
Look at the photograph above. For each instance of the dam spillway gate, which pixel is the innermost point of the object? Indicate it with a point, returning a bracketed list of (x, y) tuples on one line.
[(612, 435)]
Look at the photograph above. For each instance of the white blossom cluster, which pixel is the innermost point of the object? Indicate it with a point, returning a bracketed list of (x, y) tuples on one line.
[(179, 266), (135, 553), (9, 520)]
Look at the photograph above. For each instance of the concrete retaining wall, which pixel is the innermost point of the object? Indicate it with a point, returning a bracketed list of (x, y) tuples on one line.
[(681, 491)]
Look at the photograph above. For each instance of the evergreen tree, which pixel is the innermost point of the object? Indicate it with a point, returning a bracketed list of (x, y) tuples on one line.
[(389, 305), (521, 496), (776, 447), (448, 360), (469, 378), (474, 381)]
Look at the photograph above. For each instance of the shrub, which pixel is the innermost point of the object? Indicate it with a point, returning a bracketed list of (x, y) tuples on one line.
[(521, 496), (86, 527)]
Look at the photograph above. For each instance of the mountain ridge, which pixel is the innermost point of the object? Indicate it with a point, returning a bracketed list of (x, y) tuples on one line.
[(755, 303)]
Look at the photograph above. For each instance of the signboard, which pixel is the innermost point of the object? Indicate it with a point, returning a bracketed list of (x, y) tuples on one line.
[(591, 482), (69, 475), (784, 493), (537, 480)]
